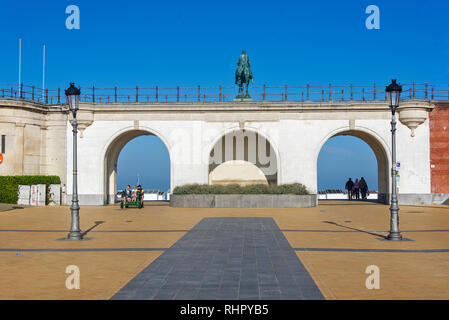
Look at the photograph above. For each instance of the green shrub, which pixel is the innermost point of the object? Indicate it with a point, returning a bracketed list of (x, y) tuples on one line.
[(9, 186), (293, 188)]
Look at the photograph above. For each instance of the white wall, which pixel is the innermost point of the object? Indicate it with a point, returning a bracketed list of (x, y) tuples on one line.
[(297, 144)]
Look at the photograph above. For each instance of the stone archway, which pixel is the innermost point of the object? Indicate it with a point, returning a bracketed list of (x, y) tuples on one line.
[(237, 172), (240, 149), (380, 151), (111, 157)]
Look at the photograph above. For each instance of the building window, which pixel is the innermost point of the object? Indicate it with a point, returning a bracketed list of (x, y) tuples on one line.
[(3, 143)]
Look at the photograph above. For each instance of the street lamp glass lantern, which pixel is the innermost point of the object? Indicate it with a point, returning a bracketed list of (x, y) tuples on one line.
[(73, 97), (393, 91)]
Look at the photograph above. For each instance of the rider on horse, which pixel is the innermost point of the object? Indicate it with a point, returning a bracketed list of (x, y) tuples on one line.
[(243, 73)]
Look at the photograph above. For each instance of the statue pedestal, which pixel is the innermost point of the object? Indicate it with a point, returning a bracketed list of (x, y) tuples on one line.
[(242, 98)]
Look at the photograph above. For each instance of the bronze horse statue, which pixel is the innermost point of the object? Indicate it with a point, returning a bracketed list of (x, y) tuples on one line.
[(243, 75)]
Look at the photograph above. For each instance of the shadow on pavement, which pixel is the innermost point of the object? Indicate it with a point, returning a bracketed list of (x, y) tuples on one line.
[(371, 233)]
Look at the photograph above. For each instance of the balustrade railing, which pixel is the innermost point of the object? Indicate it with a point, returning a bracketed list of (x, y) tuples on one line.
[(220, 94)]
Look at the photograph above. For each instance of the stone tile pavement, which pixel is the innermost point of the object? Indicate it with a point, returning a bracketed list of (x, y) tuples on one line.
[(332, 243), (226, 258)]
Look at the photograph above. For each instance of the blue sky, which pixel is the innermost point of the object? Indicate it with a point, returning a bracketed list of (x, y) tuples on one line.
[(169, 43)]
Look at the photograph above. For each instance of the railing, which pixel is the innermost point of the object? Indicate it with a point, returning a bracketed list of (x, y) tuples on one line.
[(373, 92)]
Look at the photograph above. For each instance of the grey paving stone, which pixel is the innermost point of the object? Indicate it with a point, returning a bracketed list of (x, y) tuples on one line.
[(226, 258), (186, 293)]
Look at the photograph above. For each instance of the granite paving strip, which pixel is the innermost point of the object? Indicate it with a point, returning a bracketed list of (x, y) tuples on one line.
[(372, 250), (226, 258), (185, 230), (93, 231), (80, 249), (303, 230)]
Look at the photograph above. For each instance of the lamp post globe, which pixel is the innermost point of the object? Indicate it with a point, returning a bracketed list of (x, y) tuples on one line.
[(73, 99), (393, 91)]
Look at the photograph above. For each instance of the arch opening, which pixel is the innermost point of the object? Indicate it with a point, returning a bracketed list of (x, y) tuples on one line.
[(381, 161), (111, 161), (243, 157)]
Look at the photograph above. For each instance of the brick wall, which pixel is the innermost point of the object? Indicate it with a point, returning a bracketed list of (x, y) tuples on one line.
[(439, 149)]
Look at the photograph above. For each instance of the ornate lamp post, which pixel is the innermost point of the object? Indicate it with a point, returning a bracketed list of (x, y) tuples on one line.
[(393, 91), (73, 100)]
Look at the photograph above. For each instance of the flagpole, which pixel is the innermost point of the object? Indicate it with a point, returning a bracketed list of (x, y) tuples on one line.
[(43, 73), (20, 65)]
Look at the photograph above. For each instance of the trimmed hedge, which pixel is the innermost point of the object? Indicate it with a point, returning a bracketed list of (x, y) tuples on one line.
[(293, 188), (9, 186)]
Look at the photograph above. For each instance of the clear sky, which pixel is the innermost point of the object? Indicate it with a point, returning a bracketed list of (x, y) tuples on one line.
[(186, 43)]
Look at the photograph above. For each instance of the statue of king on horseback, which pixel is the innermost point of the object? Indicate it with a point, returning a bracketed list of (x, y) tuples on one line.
[(243, 75)]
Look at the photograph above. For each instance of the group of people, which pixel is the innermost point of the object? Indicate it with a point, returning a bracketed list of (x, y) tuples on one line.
[(355, 188), (131, 195)]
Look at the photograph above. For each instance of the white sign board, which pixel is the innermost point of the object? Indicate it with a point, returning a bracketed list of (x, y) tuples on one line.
[(33, 195), (24, 195), (55, 194), (41, 193)]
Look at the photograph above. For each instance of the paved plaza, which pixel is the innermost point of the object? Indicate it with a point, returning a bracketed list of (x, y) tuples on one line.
[(160, 252), (226, 258)]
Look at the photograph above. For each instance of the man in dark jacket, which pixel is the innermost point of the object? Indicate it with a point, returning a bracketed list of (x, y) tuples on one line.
[(350, 187), (363, 188)]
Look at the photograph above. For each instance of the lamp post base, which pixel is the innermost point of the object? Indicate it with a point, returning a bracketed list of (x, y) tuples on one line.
[(75, 235), (394, 236)]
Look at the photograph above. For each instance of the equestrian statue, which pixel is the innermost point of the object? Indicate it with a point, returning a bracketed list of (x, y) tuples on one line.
[(243, 75)]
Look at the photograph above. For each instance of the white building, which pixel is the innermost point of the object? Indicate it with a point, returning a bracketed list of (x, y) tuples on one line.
[(286, 137)]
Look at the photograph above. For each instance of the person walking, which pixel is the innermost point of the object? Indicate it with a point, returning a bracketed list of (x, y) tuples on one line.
[(363, 188), (350, 187), (356, 189)]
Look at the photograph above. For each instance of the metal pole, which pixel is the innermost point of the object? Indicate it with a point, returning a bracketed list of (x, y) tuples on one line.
[(394, 234), (75, 232), (43, 70), (20, 62)]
